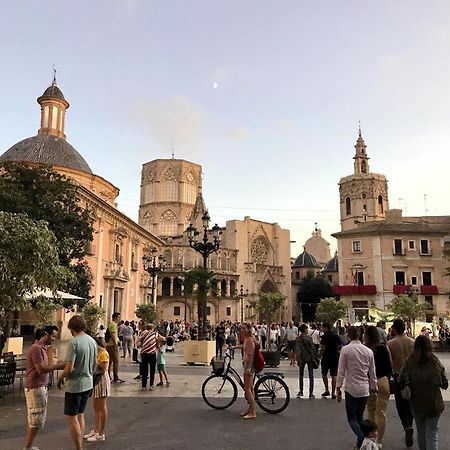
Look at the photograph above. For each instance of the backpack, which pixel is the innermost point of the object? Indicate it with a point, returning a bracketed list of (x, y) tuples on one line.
[(258, 359), (107, 335)]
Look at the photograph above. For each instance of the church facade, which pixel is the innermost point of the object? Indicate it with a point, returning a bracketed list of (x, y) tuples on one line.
[(114, 256), (253, 256), (382, 253)]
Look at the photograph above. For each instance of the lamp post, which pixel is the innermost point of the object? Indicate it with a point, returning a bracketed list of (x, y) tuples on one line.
[(205, 248), (153, 264), (242, 295)]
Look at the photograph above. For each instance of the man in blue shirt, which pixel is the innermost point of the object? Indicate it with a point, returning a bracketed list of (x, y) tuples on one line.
[(77, 378)]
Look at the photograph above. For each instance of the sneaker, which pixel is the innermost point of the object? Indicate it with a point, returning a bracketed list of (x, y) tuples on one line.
[(152, 387), (312, 396), (31, 448), (326, 394), (90, 434), (143, 388), (333, 397), (160, 384), (409, 440), (96, 437), (137, 377), (299, 394), (167, 384)]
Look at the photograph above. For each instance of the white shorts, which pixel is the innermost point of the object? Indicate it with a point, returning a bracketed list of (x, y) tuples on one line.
[(36, 406)]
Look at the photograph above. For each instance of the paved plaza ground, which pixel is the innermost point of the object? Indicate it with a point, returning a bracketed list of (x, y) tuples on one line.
[(177, 418)]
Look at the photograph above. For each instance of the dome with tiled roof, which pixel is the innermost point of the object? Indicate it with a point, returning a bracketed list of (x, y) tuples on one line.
[(52, 91), (306, 260), (46, 149), (332, 264), (50, 145)]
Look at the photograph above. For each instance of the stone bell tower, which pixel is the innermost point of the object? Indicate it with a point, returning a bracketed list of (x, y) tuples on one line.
[(169, 191), (363, 195)]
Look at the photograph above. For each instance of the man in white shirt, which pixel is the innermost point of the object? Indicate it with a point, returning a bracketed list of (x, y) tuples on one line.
[(357, 367), (291, 335)]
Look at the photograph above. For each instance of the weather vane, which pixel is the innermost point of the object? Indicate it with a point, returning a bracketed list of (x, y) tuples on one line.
[(54, 76)]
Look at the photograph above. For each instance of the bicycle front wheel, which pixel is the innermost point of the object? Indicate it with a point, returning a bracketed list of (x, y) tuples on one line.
[(219, 392), (272, 394)]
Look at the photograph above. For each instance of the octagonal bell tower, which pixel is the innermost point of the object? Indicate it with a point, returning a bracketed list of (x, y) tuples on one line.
[(169, 190), (363, 195)]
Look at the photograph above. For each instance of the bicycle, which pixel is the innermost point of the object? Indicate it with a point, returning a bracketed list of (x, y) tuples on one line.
[(219, 391)]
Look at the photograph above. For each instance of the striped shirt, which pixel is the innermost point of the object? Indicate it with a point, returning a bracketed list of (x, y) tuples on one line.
[(149, 340)]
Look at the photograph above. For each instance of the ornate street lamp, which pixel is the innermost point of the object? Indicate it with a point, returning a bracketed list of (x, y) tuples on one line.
[(205, 248), (242, 295), (153, 264)]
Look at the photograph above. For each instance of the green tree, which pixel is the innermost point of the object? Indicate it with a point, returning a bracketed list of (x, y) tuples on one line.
[(268, 305), (331, 310), (43, 194), (408, 308), (147, 312), (198, 283), (28, 261), (312, 289), (92, 314)]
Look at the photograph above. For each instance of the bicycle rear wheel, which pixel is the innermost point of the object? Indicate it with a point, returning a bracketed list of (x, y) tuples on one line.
[(272, 394), (219, 392)]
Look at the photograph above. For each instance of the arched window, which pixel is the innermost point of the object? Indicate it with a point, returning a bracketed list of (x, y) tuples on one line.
[(223, 288), (232, 288), (165, 285), (168, 225), (348, 206), (177, 287), (363, 167), (380, 204)]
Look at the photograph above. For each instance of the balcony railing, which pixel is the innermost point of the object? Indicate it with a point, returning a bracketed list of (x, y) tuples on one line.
[(364, 289), (400, 289), (429, 289)]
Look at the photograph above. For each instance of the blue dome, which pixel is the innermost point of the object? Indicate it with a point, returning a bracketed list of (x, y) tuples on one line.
[(305, 259)]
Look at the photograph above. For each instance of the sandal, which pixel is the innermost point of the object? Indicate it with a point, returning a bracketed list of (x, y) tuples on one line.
[(247, 416)]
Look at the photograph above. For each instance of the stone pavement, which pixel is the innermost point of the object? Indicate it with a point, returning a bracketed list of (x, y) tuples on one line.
[(176, 417)]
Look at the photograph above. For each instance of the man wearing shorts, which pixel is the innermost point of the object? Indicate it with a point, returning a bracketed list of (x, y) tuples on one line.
[(291, 335), (329, 355), (77, 378), (36, 381)]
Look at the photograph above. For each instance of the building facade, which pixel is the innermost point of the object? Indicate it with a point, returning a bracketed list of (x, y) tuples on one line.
[(383, 254), (253, 256), (114, 255)]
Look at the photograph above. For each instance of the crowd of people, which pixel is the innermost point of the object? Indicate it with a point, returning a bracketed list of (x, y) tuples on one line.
[(364, 364)]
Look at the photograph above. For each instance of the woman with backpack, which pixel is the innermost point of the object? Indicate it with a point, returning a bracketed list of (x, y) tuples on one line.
[(248, 346)]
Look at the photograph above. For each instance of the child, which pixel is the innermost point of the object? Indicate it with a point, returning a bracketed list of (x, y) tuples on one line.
[(369, 430), (161, 365)]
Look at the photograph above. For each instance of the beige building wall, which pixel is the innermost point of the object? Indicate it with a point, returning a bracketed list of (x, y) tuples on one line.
[(263, 260)]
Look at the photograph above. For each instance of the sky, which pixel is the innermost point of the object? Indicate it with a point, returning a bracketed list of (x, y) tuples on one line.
[(265, 95)]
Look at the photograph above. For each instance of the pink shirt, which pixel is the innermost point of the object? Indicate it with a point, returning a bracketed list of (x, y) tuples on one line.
[(357, 366), (37, 354)]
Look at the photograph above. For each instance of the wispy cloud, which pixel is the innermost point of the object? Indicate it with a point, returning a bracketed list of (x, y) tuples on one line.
[(285, 126), (175, 120), (238, 134)]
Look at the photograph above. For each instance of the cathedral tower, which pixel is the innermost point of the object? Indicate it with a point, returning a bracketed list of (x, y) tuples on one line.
[(363, 195), (169, 191)]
